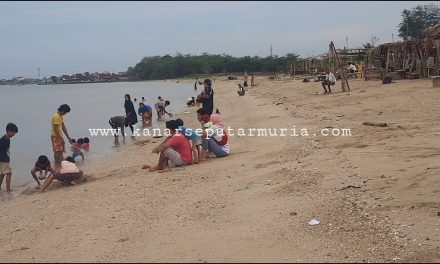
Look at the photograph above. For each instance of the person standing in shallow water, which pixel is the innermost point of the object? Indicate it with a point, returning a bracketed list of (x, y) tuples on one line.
[(207, 97), (131, 113), (56, 134)]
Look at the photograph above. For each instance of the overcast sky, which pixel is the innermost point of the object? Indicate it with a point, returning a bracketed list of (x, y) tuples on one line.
[(77, 37)]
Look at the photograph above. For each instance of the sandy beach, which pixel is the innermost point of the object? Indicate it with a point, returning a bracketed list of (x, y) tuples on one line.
[(376, 193)]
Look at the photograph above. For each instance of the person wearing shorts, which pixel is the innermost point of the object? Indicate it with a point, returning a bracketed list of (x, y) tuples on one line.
[(68, 174), (5, 167), (176, 149), (193, 137), (56, 134)]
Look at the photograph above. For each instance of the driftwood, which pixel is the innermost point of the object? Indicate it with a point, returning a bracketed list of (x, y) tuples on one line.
[(375, 124)]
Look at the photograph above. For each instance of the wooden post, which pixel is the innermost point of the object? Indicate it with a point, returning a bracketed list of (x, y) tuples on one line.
[(388, 60), (294, 70), (344, 78)]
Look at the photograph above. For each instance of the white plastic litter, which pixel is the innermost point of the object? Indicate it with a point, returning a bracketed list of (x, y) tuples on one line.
[(314, 222)]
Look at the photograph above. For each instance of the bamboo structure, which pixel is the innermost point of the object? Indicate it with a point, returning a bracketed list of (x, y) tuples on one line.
[(409, 59), (338, 64)]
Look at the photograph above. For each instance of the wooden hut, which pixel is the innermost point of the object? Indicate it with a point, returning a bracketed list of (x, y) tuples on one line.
[(416, 58)]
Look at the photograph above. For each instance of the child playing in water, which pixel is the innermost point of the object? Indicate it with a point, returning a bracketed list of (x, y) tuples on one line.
[(76, 148), (42, 164), (193, 137), (86, 145)]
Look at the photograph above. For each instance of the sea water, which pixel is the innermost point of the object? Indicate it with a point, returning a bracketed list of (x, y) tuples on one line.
[(31, 108)]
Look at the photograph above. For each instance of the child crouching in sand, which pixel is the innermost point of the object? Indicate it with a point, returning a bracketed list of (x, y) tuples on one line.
[(68, 174), (42, 164), (194, 138)]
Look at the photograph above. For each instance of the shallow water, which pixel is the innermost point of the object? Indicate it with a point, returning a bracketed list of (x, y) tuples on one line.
[(31, 108)]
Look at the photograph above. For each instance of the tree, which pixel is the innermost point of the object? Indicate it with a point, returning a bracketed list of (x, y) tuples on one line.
[(169, 67), (54, 79), (371, 44), (417, 19)]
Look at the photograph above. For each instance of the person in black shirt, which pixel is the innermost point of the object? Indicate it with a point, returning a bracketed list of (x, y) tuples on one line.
[(131, 113), (207, 97), (42, 164), (5, 168)]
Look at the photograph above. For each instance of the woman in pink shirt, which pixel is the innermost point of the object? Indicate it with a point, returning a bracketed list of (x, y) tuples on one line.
[(68, 174)]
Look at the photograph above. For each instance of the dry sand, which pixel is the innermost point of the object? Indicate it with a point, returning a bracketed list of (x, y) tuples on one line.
[(255, 205)]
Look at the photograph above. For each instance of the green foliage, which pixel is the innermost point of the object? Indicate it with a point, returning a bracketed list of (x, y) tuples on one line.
[(417, 19), (169, 67)]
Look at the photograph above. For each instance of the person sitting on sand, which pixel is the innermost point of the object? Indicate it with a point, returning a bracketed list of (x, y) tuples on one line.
[(215, 139), (201, 112), (76, 149), (352, 69), (217, 119), (118, 123), (206, 121), (193, 137), (42, 164), (68, 174), (330, 79), (241, 90), (176, 148)]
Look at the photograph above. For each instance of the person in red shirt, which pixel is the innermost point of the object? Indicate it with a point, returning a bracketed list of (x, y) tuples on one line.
[(176, 148)]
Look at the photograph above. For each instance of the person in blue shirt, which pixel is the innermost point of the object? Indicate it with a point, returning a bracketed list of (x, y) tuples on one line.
[(146, 112), (193, 137)]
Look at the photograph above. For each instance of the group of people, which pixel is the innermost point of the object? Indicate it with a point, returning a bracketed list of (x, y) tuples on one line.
[(175, 148), (65, 170), (186, 146), (330, 78), (145, 111)]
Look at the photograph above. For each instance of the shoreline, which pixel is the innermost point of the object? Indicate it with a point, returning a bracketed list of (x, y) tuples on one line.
[(256, 203), (27, 186)]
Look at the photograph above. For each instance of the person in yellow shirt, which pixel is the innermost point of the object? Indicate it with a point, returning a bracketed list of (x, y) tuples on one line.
[(56, 134)]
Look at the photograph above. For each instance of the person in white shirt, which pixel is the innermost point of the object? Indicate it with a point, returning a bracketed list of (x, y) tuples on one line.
[(352, 69), (330, 79)]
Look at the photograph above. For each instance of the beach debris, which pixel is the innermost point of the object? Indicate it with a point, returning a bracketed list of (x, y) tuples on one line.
[(293, 213), (438, 213), (375, 124), (273, 116), (279, 103), (339, 115), (186, 112), (387, 80), (314, 222), (349, 186)]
